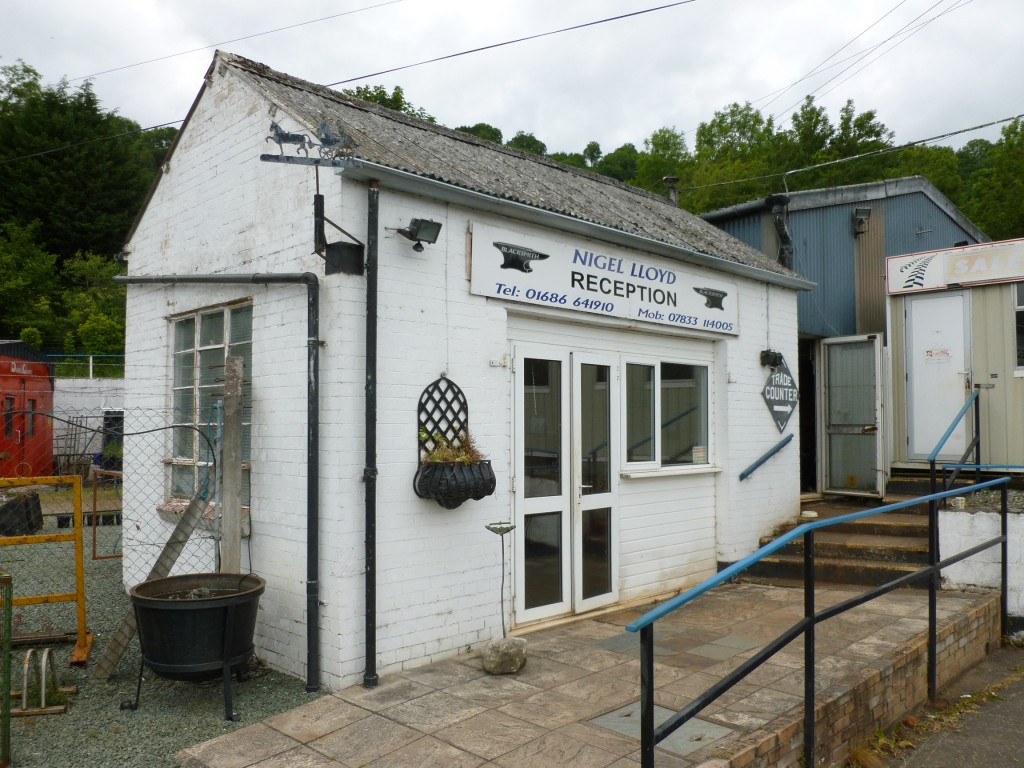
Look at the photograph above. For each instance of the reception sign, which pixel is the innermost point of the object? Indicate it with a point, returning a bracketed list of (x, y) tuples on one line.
[(582, 276)]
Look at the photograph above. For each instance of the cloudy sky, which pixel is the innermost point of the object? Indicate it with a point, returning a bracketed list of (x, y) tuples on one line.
[(928, 67)]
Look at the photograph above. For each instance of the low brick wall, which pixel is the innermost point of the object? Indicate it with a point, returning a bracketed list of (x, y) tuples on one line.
[(851, 711)]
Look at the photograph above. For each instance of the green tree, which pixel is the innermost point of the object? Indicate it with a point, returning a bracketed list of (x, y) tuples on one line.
[(527, 142), (974, 156), (664, 155), (620, 164), (592, 153), (27, 284), (482, 131), (996, 195), (65, 162), (92, 300), (570, 158), (395, 100)]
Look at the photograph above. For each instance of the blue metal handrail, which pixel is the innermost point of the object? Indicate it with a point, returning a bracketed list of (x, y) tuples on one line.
[(768, 454), (953, 425), (651, 736)]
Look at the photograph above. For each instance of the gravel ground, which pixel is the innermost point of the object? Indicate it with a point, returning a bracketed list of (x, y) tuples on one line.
[(172, 715)]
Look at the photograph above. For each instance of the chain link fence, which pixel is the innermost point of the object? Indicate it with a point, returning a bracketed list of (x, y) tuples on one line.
[(135, 485)]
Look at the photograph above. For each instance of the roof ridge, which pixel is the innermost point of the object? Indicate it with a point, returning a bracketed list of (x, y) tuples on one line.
[(262, 70)]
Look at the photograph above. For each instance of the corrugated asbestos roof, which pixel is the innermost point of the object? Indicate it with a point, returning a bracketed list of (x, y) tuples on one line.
[(430, 151)]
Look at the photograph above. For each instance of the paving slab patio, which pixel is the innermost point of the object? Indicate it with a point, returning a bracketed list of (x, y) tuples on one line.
[(574, 704)]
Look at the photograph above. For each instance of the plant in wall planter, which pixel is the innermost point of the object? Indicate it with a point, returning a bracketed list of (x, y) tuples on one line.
[(452, 470)]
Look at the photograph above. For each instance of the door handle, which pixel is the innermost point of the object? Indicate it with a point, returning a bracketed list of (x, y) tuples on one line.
[(870, 430), (17, 440)]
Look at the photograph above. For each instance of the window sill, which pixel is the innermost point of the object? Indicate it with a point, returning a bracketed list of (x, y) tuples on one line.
[(171, 511), (699, 469)]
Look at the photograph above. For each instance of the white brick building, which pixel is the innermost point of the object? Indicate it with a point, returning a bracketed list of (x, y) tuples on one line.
[(608, 345)]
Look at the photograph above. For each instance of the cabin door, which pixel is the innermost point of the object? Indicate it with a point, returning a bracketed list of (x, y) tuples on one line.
[(938, 373)]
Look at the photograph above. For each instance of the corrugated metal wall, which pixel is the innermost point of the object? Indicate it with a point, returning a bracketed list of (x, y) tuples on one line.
[(823, 251), (914, 223), (747, 229)]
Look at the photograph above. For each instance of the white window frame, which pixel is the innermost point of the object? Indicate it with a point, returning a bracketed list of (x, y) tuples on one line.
[(1018, 313), (199, 386), (656, 464)]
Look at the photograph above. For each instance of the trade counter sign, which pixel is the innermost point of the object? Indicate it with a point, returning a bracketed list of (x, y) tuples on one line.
[(583, 276), (780, 394)]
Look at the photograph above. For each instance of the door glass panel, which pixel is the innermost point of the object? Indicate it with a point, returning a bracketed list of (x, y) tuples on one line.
[(850, 415), (542, 428), (597, 559), (595, 426), (543, 559)]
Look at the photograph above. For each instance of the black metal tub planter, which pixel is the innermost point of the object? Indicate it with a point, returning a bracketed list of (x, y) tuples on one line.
[(196, 627), (454, 471)]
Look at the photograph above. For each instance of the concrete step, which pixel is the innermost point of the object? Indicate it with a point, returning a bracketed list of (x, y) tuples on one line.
[(862, 546), (831, 569), (884, 524)]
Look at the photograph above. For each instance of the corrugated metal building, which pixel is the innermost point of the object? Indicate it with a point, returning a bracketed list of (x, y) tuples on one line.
[(840, 238)]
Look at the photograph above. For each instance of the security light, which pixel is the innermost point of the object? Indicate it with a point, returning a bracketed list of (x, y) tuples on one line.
[(421, 231)]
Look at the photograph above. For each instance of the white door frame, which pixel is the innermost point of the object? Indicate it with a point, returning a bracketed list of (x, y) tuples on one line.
[(938, 362), (567, 498)]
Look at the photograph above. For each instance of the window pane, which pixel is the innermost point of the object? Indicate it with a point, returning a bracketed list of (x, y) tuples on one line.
[(184, 335), (184, 369), (211, 366), (639, 412), (542, 427), (184, 404), (211, 329), (241, 324), (684, 406), (182, 481), (30, 418), (1020, 338), (183, 443)]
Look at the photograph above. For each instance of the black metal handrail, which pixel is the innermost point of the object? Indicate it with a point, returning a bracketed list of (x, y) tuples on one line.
[(650, 736)]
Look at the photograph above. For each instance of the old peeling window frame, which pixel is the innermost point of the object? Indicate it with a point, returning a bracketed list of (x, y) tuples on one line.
[(200, 343)]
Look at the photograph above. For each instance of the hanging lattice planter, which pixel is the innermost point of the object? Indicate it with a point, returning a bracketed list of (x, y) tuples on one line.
[(451, 469)]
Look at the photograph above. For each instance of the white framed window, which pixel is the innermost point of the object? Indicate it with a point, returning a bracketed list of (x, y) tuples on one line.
[(202, 341), (1018, 311), (666, 413)]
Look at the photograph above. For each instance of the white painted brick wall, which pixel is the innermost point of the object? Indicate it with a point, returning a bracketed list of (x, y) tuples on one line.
[(218, 209), (963, 529)]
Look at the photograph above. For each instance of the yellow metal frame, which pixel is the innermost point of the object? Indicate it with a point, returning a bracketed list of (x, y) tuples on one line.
[(83, 638)]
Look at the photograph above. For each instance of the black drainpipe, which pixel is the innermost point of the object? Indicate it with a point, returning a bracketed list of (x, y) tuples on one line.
[(778, 205), (370, 469), (312, 434)]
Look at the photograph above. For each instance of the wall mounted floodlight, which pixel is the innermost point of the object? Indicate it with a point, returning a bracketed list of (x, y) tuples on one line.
[(422, 231)]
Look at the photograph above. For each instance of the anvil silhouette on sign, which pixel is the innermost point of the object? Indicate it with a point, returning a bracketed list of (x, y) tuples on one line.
[(712, 298), (517, 257)]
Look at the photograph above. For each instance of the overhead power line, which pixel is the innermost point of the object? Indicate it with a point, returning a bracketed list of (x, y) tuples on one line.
[(510, 42), (234, 40)]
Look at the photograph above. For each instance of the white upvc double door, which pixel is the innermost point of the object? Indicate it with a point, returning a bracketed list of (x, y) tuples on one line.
[(566, 462)]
